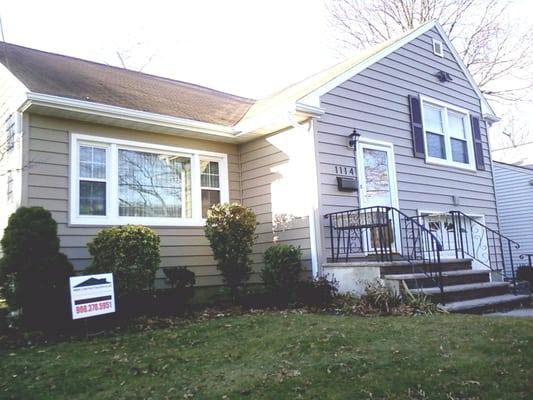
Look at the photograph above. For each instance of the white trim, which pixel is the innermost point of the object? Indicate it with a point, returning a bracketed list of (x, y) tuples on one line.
[(112, 217), (126, 114), (448, 162), (437, 44), (313, 98), (383, 146), (313, 218)]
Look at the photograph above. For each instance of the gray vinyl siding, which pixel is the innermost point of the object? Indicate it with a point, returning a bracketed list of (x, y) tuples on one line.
[(48, 180), (375, 102), (514, 193), (259, 162)]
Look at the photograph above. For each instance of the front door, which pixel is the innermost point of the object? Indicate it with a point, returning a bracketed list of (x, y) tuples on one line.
[(376, 173), (377, 185)]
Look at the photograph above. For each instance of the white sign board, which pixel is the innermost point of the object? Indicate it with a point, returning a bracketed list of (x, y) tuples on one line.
[(92, 295)]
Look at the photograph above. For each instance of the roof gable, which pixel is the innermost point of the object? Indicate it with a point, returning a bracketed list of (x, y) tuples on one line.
[(309, 90)]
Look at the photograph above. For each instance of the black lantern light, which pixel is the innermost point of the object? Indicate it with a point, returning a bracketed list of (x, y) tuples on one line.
[(354, 139)]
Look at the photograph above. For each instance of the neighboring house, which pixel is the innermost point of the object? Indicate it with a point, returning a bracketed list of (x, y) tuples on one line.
[(514, 194), (101, 146)]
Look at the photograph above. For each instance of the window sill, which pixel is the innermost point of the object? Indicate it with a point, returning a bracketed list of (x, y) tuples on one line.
[(150, 222), (449, 164)]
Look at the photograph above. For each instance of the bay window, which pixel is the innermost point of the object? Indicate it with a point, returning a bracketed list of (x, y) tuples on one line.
[(448, 136), (120, 182)]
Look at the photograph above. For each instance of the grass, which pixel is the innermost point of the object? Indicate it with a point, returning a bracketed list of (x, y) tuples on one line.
[(285, 356)]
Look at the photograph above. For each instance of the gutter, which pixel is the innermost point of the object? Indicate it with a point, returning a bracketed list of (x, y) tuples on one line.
[(105, 110)]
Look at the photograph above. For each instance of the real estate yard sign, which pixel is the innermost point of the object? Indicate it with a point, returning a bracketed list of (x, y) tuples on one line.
[(92, 295)]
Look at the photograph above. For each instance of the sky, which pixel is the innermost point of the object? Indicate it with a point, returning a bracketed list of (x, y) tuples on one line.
[(250, 48), (247, 47)]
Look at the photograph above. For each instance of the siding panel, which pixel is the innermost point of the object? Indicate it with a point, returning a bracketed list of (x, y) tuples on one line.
[(514, 193), (375, 102), (48, 187)]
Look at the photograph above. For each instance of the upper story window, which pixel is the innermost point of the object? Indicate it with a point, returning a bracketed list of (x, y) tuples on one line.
[(119, 182), (448, 136)]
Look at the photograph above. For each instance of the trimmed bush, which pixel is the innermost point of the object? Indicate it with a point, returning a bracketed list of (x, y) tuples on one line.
[(131, 253), (318, 293), (230, 229), (33, 273), (175, 300), (281, 273)]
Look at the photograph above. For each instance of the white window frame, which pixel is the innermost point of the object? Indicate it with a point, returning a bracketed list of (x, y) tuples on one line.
[(435, 44), (112, 205), (206, 158), (471, 165)]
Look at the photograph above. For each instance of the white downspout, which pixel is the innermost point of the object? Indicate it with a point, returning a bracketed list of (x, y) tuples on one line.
[(313, 218)]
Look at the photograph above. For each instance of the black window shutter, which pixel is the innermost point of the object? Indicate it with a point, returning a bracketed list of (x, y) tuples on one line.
[(416, 127), (478, 144)]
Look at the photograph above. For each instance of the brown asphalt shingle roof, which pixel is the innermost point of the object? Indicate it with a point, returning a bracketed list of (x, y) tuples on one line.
[(58, 75)]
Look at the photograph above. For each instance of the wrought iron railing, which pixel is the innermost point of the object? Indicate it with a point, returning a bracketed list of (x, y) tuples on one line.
[(472, 238), (529, 258), (384, 234)]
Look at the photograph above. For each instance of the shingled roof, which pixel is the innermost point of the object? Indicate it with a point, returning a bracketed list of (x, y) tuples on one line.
[(58, 75)]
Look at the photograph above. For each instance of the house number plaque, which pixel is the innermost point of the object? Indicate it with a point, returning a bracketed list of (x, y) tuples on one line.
[(343, 170)]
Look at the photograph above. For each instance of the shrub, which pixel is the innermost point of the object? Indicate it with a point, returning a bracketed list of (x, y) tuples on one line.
[(179, 277), (381, 298), (318, 293), (283, 266), (175, 300), (131, 253), (33, 273), (230, 229)]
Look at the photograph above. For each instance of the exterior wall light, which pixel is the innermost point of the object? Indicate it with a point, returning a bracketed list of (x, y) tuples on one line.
[(353, 139)]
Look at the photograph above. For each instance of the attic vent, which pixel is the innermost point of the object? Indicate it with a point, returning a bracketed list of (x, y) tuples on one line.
[(437, 48)]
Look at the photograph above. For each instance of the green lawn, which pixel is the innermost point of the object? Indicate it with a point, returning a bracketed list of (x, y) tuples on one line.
[(276, 356)]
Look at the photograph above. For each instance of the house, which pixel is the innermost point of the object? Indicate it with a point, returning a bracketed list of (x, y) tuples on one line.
[(514, 195), (359, 165)]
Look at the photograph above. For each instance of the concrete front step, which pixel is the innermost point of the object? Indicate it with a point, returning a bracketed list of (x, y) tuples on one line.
[(449, 278), (501, 302), (466, 291), (418, 267)]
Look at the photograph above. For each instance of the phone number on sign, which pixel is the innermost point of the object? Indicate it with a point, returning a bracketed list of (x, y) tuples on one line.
[(104, 305)]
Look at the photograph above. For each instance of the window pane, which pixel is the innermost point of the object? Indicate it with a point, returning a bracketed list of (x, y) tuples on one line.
[(209, 198), (456, 124), (436, 145), (92, 162), (459, 151), (154, 185), (210, 174), (377, 179), (92, 198), (432, 119)]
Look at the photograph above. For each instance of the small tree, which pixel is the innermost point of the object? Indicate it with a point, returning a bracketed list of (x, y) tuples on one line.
[(33, 273), (230, 229), (130, 252)]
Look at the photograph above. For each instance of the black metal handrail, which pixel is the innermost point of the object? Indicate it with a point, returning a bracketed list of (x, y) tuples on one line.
[(529, 257), (384, 233), (484, 244)]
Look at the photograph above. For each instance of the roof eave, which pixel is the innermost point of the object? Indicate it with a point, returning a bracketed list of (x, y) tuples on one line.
[(126, 114)]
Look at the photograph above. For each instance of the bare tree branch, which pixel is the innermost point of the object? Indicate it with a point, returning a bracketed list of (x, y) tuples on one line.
[(492, 46)]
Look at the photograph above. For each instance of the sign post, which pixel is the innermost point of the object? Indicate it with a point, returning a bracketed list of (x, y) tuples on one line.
[(92, 295)]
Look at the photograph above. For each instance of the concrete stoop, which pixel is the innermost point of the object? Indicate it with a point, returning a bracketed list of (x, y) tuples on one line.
[(465, 290)]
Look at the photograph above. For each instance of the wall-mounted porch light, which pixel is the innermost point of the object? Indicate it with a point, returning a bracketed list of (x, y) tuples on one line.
[(353, 139)]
